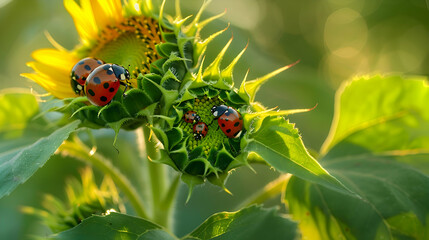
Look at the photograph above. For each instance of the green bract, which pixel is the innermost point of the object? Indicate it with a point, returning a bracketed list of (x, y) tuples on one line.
[(85, 199)]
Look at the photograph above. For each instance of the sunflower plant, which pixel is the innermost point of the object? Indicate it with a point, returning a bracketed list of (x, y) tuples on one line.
[(192, 124)]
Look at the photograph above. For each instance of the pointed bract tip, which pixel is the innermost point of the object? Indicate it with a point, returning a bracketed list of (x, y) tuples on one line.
[(227, 191)]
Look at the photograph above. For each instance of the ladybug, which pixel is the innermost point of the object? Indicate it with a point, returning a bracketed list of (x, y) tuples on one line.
[(229, 120), (191, 116), (103, 83), (80, 72), (200, 130)]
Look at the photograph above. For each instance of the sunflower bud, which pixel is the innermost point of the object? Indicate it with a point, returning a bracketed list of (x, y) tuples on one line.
[(168, 83), (84, 198)]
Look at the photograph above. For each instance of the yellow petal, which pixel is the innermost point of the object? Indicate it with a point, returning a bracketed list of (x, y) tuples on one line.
[(114, 7), (52, 69), (50, 85), (62, 78), (55, 58), (106, 12), (83, 19), (100, 14)]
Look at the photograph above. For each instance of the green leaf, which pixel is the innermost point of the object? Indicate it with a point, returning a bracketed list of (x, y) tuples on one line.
[(394, 203), (20, 162), (279, 143), (16, 110), (379, 121), (114, 226), (381, 114), (246, 224)]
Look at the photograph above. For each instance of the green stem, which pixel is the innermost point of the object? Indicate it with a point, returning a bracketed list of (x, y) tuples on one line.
[(157, 175), (169, 199), (80, 151), (270, 190)]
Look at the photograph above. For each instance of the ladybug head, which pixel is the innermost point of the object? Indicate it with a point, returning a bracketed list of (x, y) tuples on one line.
[(198, 136), (197, 118), (120, 72), (127, 74), (217, 111)]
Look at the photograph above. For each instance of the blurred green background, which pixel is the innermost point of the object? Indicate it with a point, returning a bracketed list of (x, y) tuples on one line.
[(334, 39)]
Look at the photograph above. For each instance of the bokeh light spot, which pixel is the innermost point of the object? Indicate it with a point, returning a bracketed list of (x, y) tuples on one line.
[(345, 32), (4, 2)]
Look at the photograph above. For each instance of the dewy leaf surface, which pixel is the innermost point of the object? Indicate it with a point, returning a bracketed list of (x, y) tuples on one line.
[(115, 226), (279, 144), (25, 145), (379, 122), (253, 223)]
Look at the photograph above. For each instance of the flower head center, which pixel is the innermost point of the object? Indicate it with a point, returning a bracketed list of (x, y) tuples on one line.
[(131, 43), (214, 137)]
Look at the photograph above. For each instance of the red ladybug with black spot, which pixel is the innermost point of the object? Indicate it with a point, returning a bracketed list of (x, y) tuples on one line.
[(229, 120), (103, 83), (191, 117), (81, 71), (200, 130)]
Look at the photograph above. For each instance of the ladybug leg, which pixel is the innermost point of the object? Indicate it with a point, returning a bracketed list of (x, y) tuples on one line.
[(126, 84)]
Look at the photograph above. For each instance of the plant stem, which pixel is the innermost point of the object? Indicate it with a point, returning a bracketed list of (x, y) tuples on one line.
[(158, 178), (270, 190), (79, 150), (169, 199)]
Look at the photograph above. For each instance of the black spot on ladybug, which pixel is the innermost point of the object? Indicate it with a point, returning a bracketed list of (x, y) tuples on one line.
[(236, 124), (92, 93), (84, 78), (227, 113), (106, 85), (81, 62), (97, 80), (111, 90), (223, 125), (109, 72), (106, 67), (103, 98), (228, 130), (87, 67)]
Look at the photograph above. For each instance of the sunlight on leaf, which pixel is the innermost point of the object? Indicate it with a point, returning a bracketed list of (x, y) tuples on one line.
[(16, 110), (114, 226), (389, 191), (381, 114), (246, 224), (279, 143), (380, 123)]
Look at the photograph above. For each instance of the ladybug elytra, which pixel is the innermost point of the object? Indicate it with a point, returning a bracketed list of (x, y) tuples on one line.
[(229, 120), (103, 83), (81, 71), (191, 116), (200, 130)]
